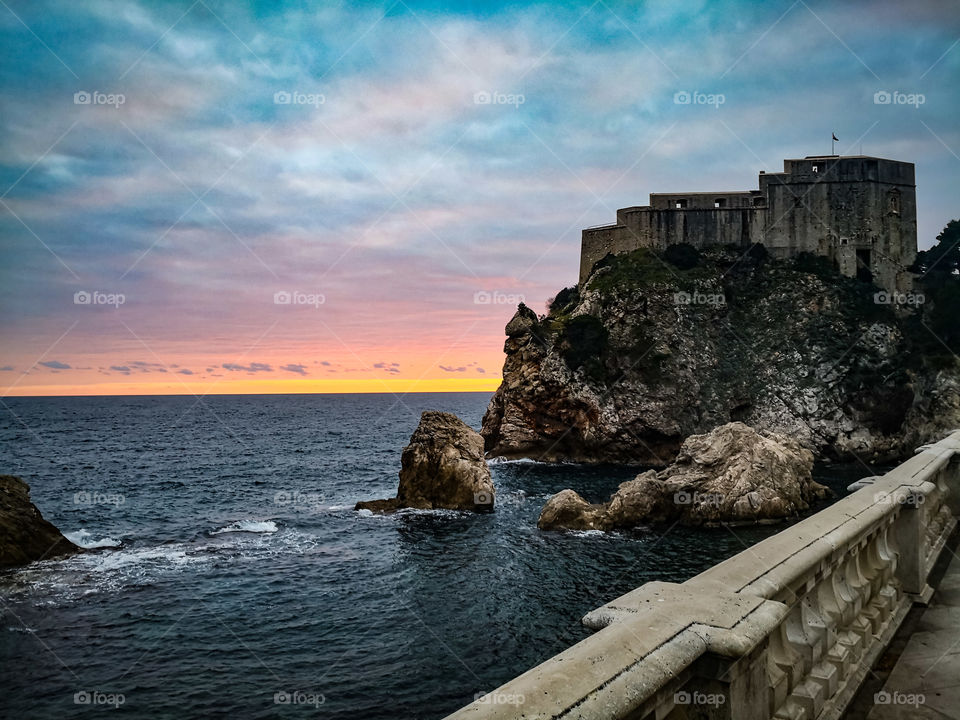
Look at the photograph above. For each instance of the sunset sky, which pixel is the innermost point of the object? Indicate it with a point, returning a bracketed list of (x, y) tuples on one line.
[(316, 197)]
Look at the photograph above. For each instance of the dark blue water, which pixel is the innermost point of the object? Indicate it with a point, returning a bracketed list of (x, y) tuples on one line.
[(234, 567)]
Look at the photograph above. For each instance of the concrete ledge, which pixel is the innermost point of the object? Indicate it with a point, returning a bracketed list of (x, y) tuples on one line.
[(785, 630)]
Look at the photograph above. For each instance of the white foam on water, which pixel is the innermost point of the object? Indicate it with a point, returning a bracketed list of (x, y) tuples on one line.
[(501, 460), (83, 538), (587, 533), (249, 526)]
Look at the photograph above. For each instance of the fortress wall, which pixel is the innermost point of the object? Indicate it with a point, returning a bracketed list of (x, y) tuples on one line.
[(828, 206), (597, 243)]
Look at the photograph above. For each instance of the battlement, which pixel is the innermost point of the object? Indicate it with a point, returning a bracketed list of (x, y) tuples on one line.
[(859, 211)]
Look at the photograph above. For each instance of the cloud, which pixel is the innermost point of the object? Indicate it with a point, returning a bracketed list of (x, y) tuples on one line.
[(121, 368), (185, 371), (449, 369), (311, 191), (481, 370), (295, 368), (6, 368), (251, 368), (55, 365)]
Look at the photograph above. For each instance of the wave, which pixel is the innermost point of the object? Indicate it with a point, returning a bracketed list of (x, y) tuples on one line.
[(501, 460), (83, 538), (250, 526)]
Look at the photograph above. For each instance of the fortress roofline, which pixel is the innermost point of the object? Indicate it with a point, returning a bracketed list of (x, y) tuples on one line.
[(846, 157), (703, 192)]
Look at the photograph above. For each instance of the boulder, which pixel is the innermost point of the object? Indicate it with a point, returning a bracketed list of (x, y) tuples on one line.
[(442, 467), (568, 510), (24, 535), (732, 474)]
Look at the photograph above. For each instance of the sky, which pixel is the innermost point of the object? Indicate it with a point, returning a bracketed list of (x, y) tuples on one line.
[(228, 197)]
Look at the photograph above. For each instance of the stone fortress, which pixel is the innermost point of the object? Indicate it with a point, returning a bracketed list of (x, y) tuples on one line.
[(858, 211)]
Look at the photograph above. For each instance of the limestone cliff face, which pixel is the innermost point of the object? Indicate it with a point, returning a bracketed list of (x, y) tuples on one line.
[(645, 354)]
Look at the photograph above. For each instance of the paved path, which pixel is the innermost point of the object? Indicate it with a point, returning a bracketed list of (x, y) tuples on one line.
[(925, 682)]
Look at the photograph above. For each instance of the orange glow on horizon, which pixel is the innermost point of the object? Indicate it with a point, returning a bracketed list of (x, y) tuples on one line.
[(261, 387)]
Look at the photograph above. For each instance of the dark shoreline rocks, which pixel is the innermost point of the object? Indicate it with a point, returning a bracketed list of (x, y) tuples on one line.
[(24, 535), (442, 468), (732, 474)]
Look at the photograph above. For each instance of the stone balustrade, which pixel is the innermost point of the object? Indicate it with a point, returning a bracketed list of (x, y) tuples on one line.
[(787, 629)]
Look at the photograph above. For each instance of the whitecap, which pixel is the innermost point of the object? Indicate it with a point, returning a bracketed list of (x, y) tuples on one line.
[(587, 533), (502, 460), (83, 538), (249, 526)]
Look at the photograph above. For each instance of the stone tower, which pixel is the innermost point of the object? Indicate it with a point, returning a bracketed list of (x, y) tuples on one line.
[(858, 211)]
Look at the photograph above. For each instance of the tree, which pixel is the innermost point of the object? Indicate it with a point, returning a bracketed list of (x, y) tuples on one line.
[(944, 257)]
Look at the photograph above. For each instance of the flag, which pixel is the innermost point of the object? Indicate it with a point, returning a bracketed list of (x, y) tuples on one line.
[(835, 138)]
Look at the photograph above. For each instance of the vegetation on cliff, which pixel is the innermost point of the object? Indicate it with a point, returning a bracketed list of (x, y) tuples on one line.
[(656, 347)]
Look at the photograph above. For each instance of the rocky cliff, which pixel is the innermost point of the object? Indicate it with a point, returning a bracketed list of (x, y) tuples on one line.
[(655, 348), (24, 535)]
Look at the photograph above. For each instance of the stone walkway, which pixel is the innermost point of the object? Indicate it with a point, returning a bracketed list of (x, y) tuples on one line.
[(925, 682)]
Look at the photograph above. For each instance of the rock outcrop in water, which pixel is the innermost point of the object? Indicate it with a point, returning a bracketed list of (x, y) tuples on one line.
[(24, 535), (647, 353), (731, 475), (442, 467)]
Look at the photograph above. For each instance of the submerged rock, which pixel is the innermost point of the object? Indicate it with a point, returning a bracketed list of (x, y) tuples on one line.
[(24, 535), (732, 474), (442, 467)]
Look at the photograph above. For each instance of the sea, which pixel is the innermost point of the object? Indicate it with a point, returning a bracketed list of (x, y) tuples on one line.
[(229, 575)]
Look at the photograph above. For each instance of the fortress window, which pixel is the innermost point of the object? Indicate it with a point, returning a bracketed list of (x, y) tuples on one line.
[(680, 204), (720, 202), (893, 201), (816, 168), (758, 201)]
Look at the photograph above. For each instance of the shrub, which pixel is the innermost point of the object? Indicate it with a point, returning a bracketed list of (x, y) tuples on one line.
[(565, 300), (584, 340), (682, 255)]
